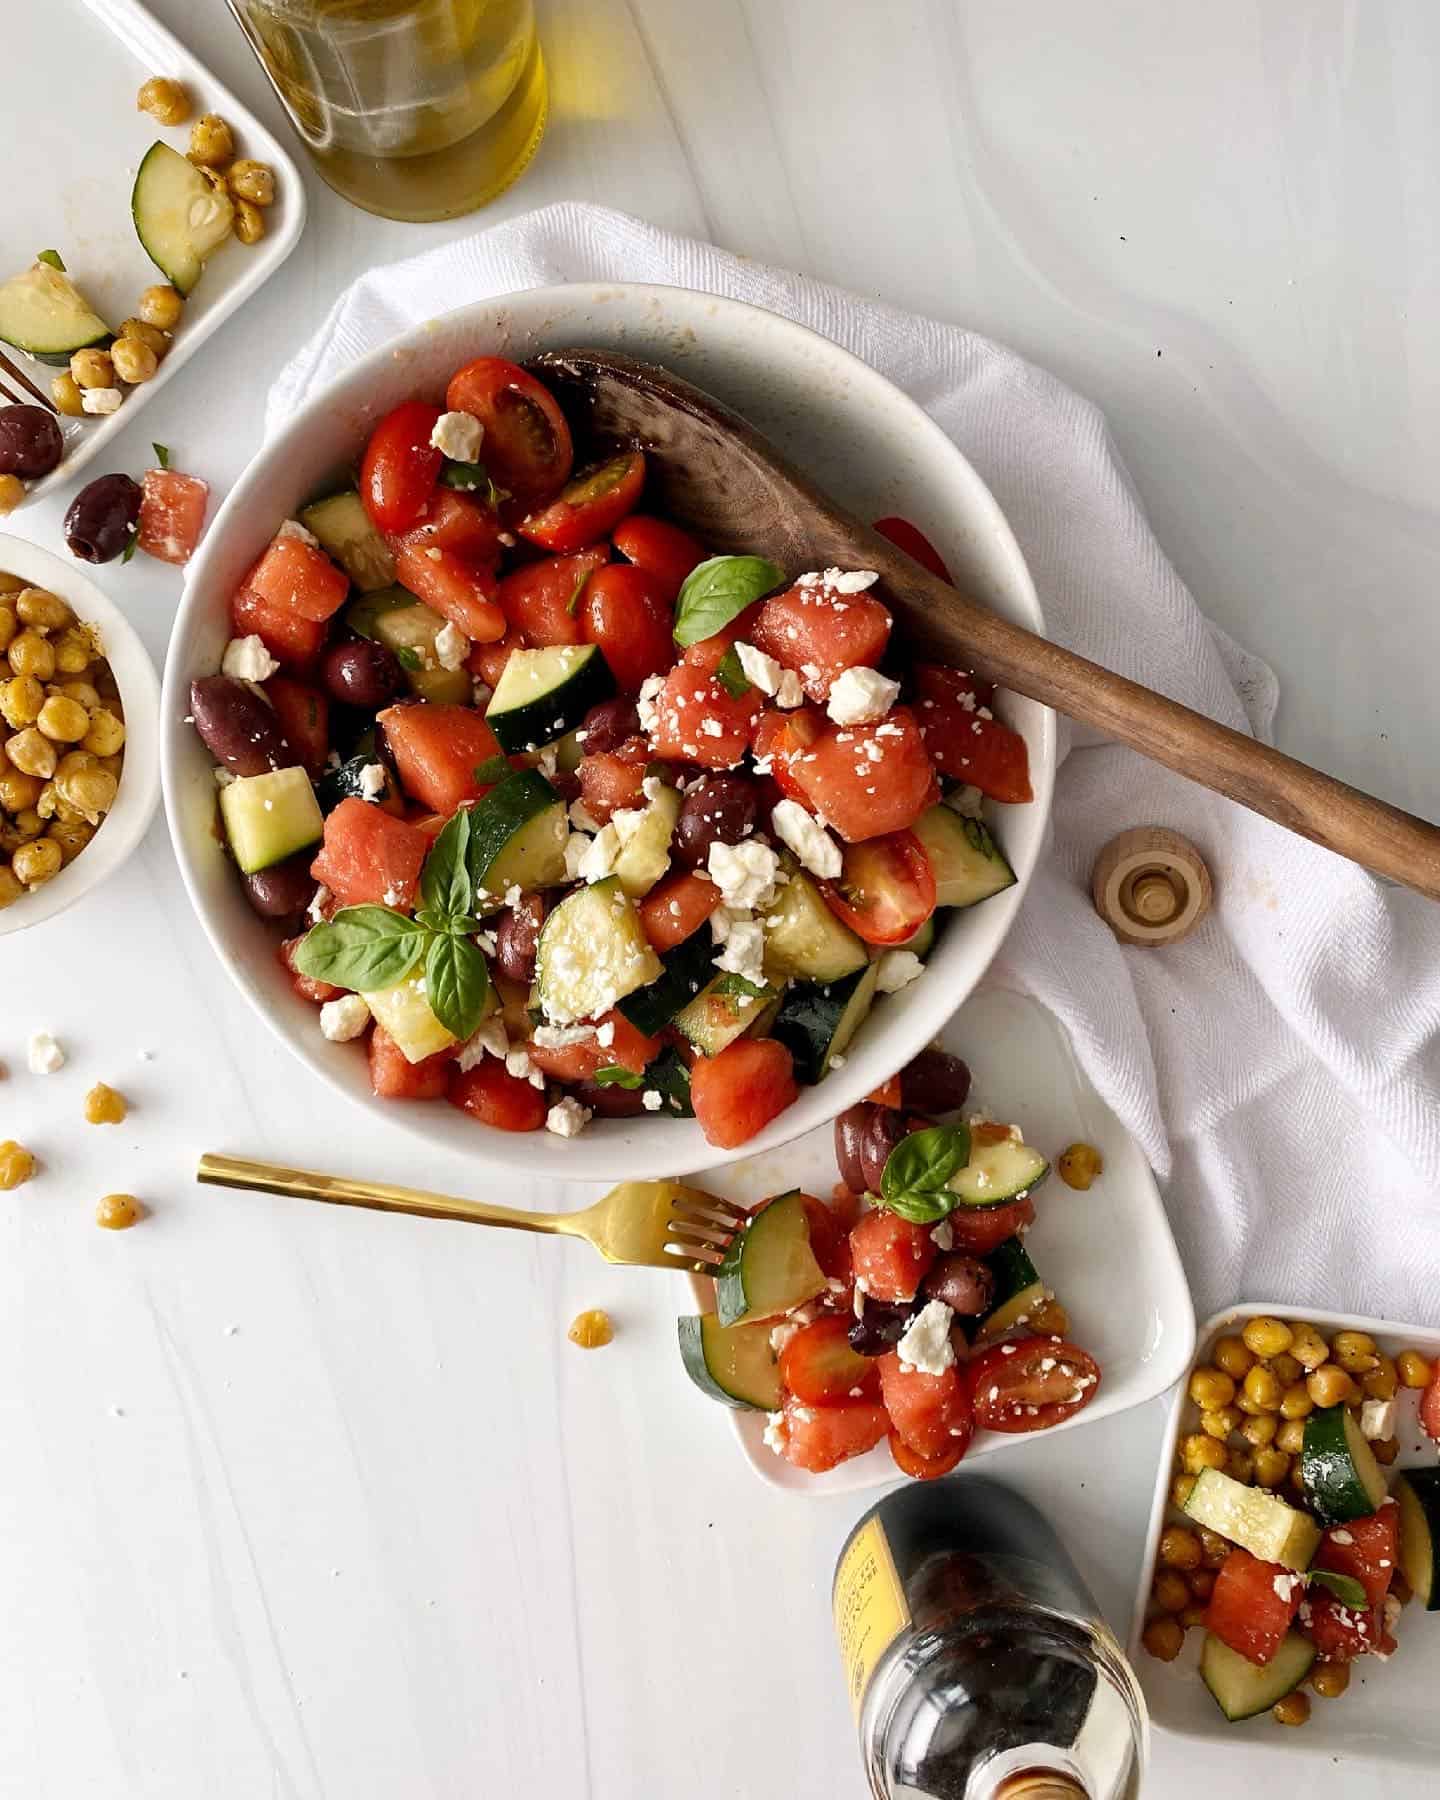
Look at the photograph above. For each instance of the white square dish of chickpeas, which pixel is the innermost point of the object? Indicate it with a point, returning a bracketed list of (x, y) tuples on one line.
[(1289, 1578)]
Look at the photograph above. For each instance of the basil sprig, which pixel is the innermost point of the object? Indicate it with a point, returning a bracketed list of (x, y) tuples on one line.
[(670, 1078), (730, 673), (471, 478), (734, 983), (718, 591), (1346, 1589), (915, 1182), (616, 1075), (367, 947)]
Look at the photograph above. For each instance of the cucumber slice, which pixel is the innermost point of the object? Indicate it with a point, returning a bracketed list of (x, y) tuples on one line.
[(405, 1013), (545, 693), (1257, 1521), (817, 1019), (180, 219), (731, 1363), (43, 313), (394, 617), (343, 527), (719, 1014), (344, 783), (1418, 1492), (1018, 1290), (803, 937), (769, 1268), (999, 1172), (684, 971), (592, 953), (1338, 1468), (517, 837), (1243, 1689), (269, 817), (645, 853), (965, 859)]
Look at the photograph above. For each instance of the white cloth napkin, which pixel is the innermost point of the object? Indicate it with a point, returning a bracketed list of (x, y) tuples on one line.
[(1281, 1068)]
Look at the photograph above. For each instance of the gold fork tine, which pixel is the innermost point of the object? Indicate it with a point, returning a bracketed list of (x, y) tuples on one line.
[(18, 374)]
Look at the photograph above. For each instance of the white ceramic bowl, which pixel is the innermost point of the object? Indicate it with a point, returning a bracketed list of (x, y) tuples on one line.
[(858, 436), (126, 822), (1388, 1712)]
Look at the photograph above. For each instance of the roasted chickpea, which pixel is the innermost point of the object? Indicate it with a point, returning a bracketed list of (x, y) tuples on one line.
[(1329, 1385), (73, 652), (1383, 1381), (1307, 1346), (1213, 1548), (42, 609), (1211, 1389), (249, 222), (1194, 1614), (1169, 1590), (1291, 1436), (1078, 1165), (252, 181), (17, 1164), (17, 790), (1199, 1452), (63, 719), (211, 141), (1414, 1371), (32, 753), (91, 792), (1240, 1466), (1264, 1336), (10, 888), (104, 1106), (12, 492), (591, 1329), (92, 369), (1285, 1367), (9, 624), (161, 305), (1262, 1388), (1179, 1548), (165, 100), (117, 1212), (28, 824), (1163, 1638), (31, 654), (65, 392), (1201, 1583), (1181, 1489), (1386, 1450), (71, 836), (1231, 1355), (36, 862), (134, 362), (1330, 1679), (1294, 1709), (1271, 1467), (1354, 1351), (1295, 1402), (106, 733), (83, 691), (1221, 1423), (151, 336), (1259, 1430)]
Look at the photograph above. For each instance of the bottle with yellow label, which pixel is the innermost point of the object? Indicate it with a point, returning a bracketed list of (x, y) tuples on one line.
[(978, 1664)]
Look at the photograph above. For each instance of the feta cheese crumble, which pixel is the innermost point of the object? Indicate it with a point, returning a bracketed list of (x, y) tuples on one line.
[(489, 1039), (774, 1435), (1377, 1418), (345, 1018), (761, 670), (457, 435), (451, 646), (247, 659), (315, 911), (645, 701), (567, 1118), (576, 846), (44, 1055), (858, 696), (101, 400), (926, 1344), (652, 1099), (292, 528), (744, 872), (812, 844), (372, 782), (743, 953), (943, 1236), (561, 1037), (898, 968), (597, 859)]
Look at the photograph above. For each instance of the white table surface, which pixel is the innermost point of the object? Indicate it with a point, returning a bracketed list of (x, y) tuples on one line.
[(300, 1504)]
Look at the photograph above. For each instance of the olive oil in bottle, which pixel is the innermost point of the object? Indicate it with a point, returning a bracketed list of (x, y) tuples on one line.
[(979, 1666)]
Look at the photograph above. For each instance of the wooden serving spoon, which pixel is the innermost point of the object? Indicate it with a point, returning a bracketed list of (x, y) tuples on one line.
[(726, 483)]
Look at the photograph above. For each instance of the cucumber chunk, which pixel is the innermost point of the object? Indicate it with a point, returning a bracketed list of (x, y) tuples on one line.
[(1418, 1494), (719, 1014), (817, 1020), (343, 527), (645, 852), (543, 694), (1242, 1689), (997, 1173), (803, 937), (731, 1363), (269, 817), (1257, 1521), (405, 1014), (345, 783), (1338, 1468), (686, 969), (1018, 1290), (592, 953), (964, 858), (517, 837), (394, 617), (769, 1268), (43, 313), (180, 219)]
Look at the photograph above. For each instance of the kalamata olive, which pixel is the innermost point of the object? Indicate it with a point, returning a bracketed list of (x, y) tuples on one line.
[(935, 1081), (964, 1283), (607, 726), (516, 936), (361, 673), (284, 889), (610, 1100), (722, 809), (30, 441), (101, 518), (865, 1134), (237, 727), (879, 1328)]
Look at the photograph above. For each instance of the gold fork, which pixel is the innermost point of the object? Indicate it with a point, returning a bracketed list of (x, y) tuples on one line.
[(655, 1224)]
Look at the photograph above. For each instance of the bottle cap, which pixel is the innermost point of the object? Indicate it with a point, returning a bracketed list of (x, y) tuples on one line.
[(1151, 886)]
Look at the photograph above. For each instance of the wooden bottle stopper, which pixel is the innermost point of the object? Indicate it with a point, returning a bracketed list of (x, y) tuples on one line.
[(1151, 886)]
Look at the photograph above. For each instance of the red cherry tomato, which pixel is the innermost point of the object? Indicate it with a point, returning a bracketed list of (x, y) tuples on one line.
[(979, 1230), (1430, 1406), (1013, 1390), (926, 1468), (661, 549), (542, 599), (819, 1367), (886, 889), (458, 522), (589, 506), (915, 544), (624, 610), (400, 467), (526, 448)]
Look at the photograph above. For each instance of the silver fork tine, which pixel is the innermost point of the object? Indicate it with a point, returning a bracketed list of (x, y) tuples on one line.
[(17, 374)]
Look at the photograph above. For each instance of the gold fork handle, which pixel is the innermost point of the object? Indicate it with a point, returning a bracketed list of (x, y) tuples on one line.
[(378, 1196)]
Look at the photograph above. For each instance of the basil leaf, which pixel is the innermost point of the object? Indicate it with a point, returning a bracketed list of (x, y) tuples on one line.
[(408, 658), (53, 257), (613, 1075), (731, 675), (493, 769), (361, 948), (1346, 1589), (457, 983), (671, 1079), (716, 592), (131, 545), (918, 1169), (738, 984), (445, 884), (469, 478), (162, 454)]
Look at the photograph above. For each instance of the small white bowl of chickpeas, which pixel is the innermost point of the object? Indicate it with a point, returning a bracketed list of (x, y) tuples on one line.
[(79, 736), (1355, 1682)]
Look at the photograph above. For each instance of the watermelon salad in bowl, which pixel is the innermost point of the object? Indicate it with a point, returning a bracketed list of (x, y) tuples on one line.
[(547, 831)]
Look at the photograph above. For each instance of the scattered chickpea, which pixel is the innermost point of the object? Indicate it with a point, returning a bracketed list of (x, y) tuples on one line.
[(9, 624), (1294, 1709), (1295, 1402), (1163, 1638), (73, 653), (65, 392), (1330, 1679), (1232, 1355), (1263, 1387), (42, 609), (1240, 1466), (1259, 1431), (1354, 1351), (37, 862), (165, 100), (1199, 1452), (1307, 1346), (118, 1212), (18, 790), (255, 182), (1078, 1165), (1179, 1548), (104, 1106), (10, 888), (1383, 1381), (106, 733), (1211, 1389), (1181, 1489), (150, 335), (211, 141), (12, 492), (32, 753), (1285, 1368), (72, 836), (1193, 1614), (92, 369), (31, 653), (1213, 1548), (1291, 1436), (17, 1164), (1264, 1336), (1414, 1371), (1271, 1467), (1221, 1423), (89, 793), (591, 1329), (160, 306), (1329, 1385), (249, 222), (1170, 1591), (134, 361), (62, 719), (1201, 1583)]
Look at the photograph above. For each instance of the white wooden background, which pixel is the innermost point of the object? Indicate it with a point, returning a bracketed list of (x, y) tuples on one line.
[(324, 1507)]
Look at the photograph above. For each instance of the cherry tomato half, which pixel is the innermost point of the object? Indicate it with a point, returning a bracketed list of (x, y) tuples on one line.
[(886, 889), (661, 549), (625, 611), (400, 467), (909, 538), (819, 1367), (1031, 1385), (926, 1468), (526, 448), (589, 506), (1430, 1407)]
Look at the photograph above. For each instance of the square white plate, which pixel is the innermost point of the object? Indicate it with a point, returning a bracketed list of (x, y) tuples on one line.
[(1141, 1330), (1388, 1712), (74, 140)]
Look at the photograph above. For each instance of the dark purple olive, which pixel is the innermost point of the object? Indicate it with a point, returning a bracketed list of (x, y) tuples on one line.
[(237, 727), (516, 935), (879, 1328), (722, 809), (101, 518), (935, 1081), (964, 1283), (30, 441), (607, 726), (283, 890), (865, 1134), (361, 673), (610, 1101)]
